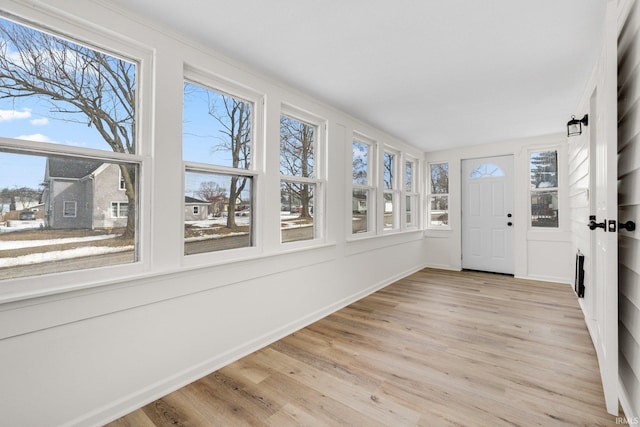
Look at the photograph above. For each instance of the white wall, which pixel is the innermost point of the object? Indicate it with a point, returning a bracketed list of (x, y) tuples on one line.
[(93, 347), (629, 209), (540, 254)]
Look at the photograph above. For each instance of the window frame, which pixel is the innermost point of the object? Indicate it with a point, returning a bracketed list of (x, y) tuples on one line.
[(371, 187), (413, 194), (318, 180), (532, 191), (225, 87), (21, 288), (73, 203), (430, 195), (118, 206), (395, 191)]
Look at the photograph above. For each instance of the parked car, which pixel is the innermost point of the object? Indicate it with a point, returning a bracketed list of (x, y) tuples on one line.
[(27, 216)]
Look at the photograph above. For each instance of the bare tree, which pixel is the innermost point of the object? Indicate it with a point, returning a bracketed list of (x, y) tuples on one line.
[(297, 159), (81, 84), (212, 193), (439, 178), (234, 117), (26, 196)]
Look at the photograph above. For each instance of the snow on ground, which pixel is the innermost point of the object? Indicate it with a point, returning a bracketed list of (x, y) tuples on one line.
[(58, 255), (220, 221), (19, 244), (214, 236)]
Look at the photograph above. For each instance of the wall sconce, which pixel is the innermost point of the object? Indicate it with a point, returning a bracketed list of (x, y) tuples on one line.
[(574, 126)]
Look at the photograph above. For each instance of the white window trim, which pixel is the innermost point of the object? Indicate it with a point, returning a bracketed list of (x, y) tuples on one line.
[(60, 25), (196, 210), (255, 171), (429, 194), (119, 209), (319, 175), (64, 208), (371, 187), (121, 183), (414, 194), (540, 190), (395, 191)]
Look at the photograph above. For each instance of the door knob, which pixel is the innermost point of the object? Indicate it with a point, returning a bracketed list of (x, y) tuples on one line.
[(593, 225), (509, 223), (629, 226)]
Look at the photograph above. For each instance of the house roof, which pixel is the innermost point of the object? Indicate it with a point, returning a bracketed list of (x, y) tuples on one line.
[(188, 199), (59, 167)]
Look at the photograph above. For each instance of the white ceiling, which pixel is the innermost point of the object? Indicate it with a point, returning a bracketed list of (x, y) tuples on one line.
[(437, 74)]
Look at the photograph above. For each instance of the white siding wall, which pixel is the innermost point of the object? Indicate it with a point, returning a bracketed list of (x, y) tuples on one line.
[(86, 356), (629, 209)]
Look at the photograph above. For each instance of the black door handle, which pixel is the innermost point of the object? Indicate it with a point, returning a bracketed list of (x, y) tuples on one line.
[(629, 226), (593, 225)]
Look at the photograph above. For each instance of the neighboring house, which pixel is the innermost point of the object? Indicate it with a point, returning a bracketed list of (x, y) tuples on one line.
[(195, 209), (84, 194)]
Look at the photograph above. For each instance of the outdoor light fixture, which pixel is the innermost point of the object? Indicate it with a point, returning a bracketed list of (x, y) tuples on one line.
[(574, 126)]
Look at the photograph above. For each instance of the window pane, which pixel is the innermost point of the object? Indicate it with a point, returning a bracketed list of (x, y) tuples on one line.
[(408, 176), (75, 95), (216, 128), (409, 210), (296, 211), (544, 209), (389, 166), (389, 216), (544, 169), (46, 224), (360, 163), (69, 209), (360, 212), (439, 210), (487, 170), (297, 140), (223, 218), (439, 178)]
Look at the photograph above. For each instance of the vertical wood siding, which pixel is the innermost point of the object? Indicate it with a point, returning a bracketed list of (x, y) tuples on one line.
[(629, 207)]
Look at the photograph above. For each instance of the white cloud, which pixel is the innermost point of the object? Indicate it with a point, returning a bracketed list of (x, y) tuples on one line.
[(8, 115), (35, 137), (39, 122)]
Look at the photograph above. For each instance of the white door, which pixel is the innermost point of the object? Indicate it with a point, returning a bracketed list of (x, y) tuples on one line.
[(487, 214), (604, 204)]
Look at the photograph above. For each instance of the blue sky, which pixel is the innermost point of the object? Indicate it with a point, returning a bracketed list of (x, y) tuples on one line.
[(33, 118), (29, 119)]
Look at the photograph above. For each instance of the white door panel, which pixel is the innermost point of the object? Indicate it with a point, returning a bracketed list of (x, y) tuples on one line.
[(487, 200)]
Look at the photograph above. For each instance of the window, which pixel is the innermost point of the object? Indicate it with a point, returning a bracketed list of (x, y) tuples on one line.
[(69, 209), (363, 188), (300, 183), (411, 194), (486, 170), (438, 197), (543, 172), (122, 183), (217, 148), (196, 210), (119, 209), (58, 131), (391, 193)]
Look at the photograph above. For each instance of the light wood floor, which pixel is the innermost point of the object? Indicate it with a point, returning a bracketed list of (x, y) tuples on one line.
[(436, 348)]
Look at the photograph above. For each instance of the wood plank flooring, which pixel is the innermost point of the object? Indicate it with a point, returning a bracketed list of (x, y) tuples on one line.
[(437, 348)]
